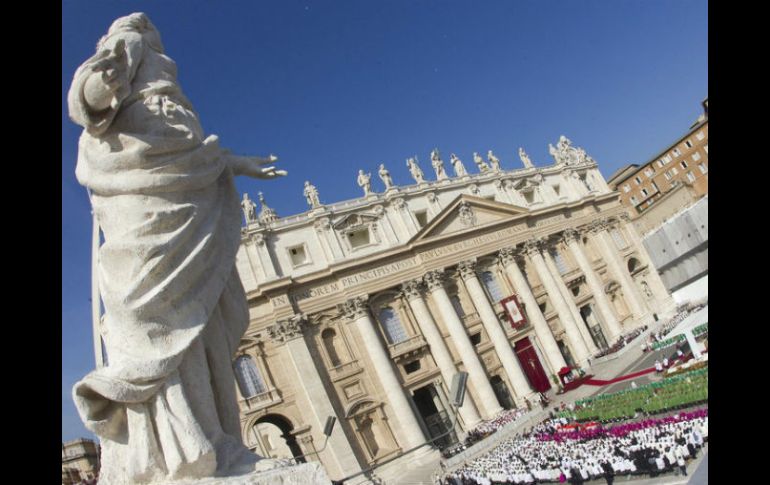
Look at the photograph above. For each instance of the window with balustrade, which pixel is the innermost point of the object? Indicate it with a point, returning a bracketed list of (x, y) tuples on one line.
[(249, 379), (493, 288), (391, 324)]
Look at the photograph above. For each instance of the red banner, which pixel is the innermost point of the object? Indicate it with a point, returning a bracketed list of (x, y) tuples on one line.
[(514, 311)]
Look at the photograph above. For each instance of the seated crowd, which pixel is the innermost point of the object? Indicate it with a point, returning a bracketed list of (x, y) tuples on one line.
[(621, 342), (485, 429), (545, 455)]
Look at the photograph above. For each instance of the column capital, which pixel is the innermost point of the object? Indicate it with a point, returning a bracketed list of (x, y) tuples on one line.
[(322, 224), (412, 289), (467, 269), (287, 329), (535, 245), (571, 235), (257, 238), (356, 307), (434, 280)]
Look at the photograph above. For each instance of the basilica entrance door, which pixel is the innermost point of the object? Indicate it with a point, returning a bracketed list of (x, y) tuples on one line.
[(531, 365)]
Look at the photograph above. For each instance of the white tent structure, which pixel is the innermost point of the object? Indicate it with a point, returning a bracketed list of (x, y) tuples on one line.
[(686, 327)]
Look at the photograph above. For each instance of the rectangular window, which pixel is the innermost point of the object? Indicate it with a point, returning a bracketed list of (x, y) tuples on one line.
[(422, 217), (688, 143), (638, 181), (359, 238), (674, 171), (620, 241), (626, 188), (644, 192), (649, 172), (655, 186), (411, 367), (556, 189), (700, 135), (676, 152), (476, 338), (529, 196), (695, 157), (690, 176), (703, 168), (668, 175), (660, 163), (667, 158), (683, 164), (633, 200), (298, 255)]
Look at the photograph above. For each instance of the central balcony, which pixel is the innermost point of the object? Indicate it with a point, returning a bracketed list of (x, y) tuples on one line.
[(260, 401), (406, 346)]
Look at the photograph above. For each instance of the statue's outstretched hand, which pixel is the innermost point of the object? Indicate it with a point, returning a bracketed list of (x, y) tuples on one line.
[(253, 166)]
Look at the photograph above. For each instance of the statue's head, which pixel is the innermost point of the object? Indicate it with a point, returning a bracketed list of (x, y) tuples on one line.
[(245, 196), (307, 182), (136, 22)]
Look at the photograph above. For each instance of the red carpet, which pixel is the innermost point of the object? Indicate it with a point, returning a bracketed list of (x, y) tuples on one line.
[(599, 382)]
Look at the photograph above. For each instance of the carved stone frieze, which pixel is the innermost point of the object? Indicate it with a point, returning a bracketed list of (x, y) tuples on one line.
[(467, 217)]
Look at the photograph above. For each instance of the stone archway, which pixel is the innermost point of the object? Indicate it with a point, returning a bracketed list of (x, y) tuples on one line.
[(275, 437)]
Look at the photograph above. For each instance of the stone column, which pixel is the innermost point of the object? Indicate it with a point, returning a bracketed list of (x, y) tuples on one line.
[(542, 330), (500, 340), (618, 269), (477, 377), (263, 255), (567, 295), (438, 349), (659, 290), (357, 310), (572, 239), (342, 458), (579, 349)]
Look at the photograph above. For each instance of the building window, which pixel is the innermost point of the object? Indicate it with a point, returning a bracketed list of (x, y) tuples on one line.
[(633, 200), (644, 192), (695, 157), (620, 241), (626, 188), (422, 217), (390, 322), (667, 158), (667, 175), (455, 299), (556, 189), (298, 255), (649, 172), (359, 238), (655, 186), (706, 148), (703, 168), (490, 283), (328, 336), (700, 135), (683, 164), (638, 180), (688, 143), (249, 379), (690, 176), (412, 367), (676, 152), (674, 171), (559, 260), (660, 163), (476, 338), (529, 196)]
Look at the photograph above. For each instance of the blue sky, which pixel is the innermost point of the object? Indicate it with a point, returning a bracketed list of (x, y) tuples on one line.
[(334, 86)]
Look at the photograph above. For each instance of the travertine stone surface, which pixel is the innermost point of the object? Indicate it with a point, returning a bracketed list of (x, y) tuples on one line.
[(303, 474)]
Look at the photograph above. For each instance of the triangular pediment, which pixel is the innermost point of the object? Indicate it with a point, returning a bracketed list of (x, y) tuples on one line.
[(352, 221), (468, 213)]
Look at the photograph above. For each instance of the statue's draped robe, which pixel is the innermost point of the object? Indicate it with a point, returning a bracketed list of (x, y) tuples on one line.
[(165, 407)]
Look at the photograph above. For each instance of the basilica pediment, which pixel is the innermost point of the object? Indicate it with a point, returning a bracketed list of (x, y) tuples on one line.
[(353, 221), (467, 213)]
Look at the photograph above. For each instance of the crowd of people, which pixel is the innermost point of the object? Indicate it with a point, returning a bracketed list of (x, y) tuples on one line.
[(621, 342), (666, 328), (544, 455), (485, 429)]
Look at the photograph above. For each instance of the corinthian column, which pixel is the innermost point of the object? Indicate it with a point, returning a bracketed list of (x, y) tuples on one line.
[(357, 310), (339, 459), (618, 269), (572, 239), (487, 401), (491, 323), (533, 248), (438, 349), (542, 330), (565, 293)]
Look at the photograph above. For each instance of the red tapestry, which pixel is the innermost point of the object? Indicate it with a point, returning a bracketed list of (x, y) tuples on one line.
[(514, 311), (531, 365)]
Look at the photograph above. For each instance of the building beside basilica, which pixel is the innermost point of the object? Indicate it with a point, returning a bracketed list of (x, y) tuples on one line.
[(365, 309)]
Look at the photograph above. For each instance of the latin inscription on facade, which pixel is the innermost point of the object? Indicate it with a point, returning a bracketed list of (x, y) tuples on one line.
[(469, 243), (373, 274)]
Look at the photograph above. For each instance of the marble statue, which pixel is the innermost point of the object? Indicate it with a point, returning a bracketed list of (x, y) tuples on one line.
[(385, 177), (493, 161), (438, 165), (365, 182), (525, 158), (311, 195), (458, 165), (565, 154), (249, 209), (165, 407), (483, 167), (415, 170)]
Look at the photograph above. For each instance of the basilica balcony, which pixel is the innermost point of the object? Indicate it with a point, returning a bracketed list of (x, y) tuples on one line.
[(260, 401), (344, 370), (470, 319), (407, 346)]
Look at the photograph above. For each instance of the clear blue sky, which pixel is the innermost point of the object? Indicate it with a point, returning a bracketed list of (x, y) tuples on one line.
[(334, 86)]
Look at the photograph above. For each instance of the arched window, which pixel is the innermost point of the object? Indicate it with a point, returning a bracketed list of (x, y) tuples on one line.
[(390, 322), (490, 283), (633, 264), (561, 265), (328, 337), (249, 379), (455, 299)]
